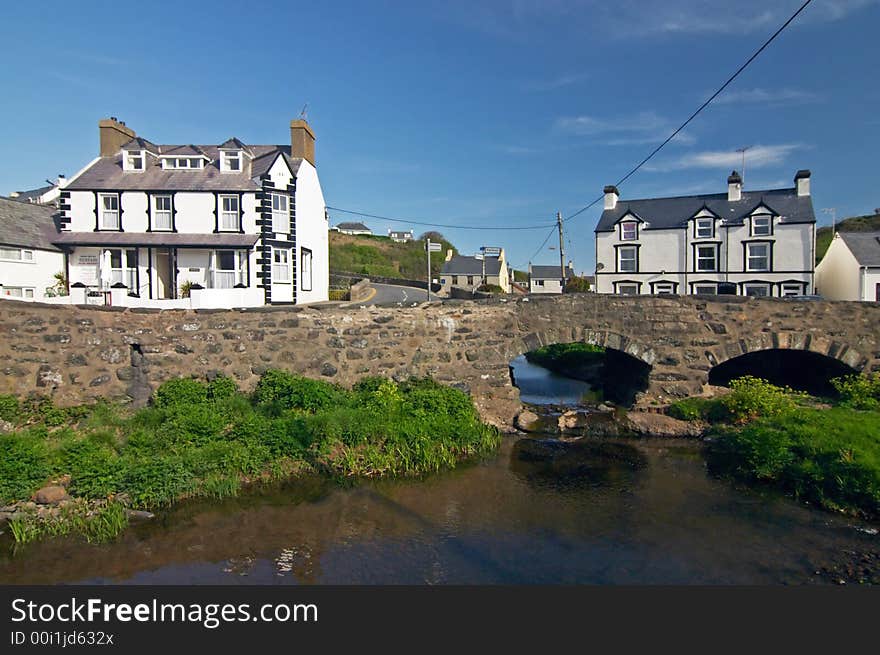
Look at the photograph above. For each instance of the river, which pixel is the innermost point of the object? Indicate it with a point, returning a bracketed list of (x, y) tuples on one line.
[(633, 512)]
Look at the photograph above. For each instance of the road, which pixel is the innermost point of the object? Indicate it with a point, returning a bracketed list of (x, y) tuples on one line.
[(389, 294)]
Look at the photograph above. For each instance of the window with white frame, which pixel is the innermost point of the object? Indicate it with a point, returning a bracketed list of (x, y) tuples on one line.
[(705, 228), (539, 283), (628, 259), (183, 163), (108, 206), (761, 225), (230, 161), (281, 265), (707, 258), (629, 231), (627, 289), (18, 292), (123, 268), (305, 269), (757, 256), (664, 288), (706, 289), (791, 289), (17, 255), (230, 218), (228, 268), (134, 160), (756, 290), (470, 280), (280, 213), (162, 213)]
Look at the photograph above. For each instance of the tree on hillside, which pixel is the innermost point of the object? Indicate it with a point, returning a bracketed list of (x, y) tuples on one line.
[(433, 236)]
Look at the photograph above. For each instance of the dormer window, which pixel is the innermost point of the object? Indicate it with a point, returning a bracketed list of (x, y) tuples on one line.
[(230, 161), (134, 160), (704, 228), (762, 225), (183, 163), (629, 231)]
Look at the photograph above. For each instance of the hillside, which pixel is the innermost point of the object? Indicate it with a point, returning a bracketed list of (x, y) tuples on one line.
[(869, 223), (380, 256)]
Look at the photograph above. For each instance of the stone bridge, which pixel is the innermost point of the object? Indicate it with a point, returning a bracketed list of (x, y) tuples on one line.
[(78, 354)]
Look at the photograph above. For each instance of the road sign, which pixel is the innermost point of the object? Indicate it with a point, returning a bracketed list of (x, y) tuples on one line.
[(491, 251), (435, 247)]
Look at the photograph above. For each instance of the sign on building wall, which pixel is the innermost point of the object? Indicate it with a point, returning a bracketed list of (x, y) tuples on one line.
[(87, 260)]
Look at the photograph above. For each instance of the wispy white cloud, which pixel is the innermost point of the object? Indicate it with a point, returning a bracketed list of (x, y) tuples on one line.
[(522, 20), (758, 156), (769, 97), (638, 129), (558, 82)]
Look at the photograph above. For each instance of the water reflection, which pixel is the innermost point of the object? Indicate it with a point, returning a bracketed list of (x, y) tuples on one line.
[(627, 512), (538, 386)]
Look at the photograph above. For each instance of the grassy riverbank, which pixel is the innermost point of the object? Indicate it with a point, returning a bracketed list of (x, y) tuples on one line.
[(824, 452), (581, 361), (207, 439)]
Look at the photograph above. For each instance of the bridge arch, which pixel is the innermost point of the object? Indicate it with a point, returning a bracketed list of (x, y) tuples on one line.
[(610, 340), (801, 362)]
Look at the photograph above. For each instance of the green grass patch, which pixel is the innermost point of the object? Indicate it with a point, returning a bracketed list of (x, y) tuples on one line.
[(207, 439)]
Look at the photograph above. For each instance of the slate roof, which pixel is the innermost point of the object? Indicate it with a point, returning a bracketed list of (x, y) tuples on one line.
[(107, 174), (352, 226), (548, 272), (140, 143), (32, 195), (173, 239), (665, 213), (27, 225), (463, 265), (865, 246)]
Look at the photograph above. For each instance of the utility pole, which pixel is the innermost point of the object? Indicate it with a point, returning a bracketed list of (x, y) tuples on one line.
[(833, 212), (428, 248), (561, 248)]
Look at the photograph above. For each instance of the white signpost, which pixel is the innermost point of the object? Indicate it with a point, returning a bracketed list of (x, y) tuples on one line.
[(429, 248)]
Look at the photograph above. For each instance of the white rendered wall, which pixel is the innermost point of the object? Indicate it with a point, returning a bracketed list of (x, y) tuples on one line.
[(838, 274), (311, 233), (37, 274)]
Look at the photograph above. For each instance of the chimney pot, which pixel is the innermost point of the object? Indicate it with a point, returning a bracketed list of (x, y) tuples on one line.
[(802, 182), (302, 140), (612, 195), (734, 187)]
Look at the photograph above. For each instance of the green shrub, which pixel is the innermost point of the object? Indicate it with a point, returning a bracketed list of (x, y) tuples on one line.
[(288, 391), (24, 466), (692, 409), (157, 481), (222, 388), (753, 397), (10, 410), (490, 288), (859, 391), (95, 470), (180, 391), (577, 284)]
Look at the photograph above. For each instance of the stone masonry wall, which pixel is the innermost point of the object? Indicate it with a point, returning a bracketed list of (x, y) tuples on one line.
[(78, 354)]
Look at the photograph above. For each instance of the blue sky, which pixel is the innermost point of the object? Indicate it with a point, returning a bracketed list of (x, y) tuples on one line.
[(475, 113)]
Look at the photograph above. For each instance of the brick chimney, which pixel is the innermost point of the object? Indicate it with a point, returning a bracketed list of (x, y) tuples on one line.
[(802, 182), (612, 195), (302, 140), (113, 135), (734, 187)]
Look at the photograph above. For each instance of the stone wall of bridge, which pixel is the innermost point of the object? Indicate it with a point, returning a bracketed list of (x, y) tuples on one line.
[(79, 354)]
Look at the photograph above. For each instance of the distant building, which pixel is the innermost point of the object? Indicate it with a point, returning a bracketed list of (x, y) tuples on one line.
[(469, 273), (29, 261), (400, 236), (548, 279), (850, 269), (750, 243), (353, 228)]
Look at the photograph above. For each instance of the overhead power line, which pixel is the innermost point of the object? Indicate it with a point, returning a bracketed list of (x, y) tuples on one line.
[(620, 182), (428, 224), (701, 107)]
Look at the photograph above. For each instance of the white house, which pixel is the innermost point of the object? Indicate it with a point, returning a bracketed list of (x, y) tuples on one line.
[(548, 279), (850, 269), (754, 243), (469, 273), (228, 225), (29, 261), (401, 236), (353, 229)]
